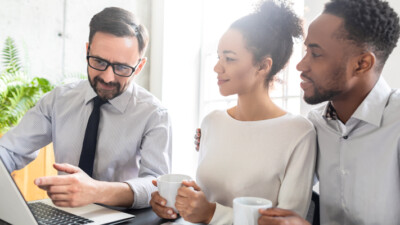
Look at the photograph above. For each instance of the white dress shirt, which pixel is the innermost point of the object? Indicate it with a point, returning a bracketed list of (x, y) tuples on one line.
[(358, 163), (273, 159), (134, 136)]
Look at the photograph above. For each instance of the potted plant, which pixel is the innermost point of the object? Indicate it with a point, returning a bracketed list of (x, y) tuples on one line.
[(19, 93)]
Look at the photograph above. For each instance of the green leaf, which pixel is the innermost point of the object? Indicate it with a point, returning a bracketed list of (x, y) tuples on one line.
[(18, 93), (11, 61)]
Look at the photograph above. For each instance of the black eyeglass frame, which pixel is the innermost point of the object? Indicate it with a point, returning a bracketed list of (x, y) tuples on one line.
[(112, 65)]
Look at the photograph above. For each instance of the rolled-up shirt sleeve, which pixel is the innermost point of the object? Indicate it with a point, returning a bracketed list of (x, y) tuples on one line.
[(19, 145), (156, 153)]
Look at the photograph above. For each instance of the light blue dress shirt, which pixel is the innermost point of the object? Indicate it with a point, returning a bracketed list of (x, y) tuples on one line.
[(358, 163), (134, 136)]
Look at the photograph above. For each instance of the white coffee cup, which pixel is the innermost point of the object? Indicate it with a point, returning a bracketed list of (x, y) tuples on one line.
[(245, 209), (168, 186)]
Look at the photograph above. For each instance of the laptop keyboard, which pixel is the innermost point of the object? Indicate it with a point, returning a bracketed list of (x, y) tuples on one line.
[(46, 214)]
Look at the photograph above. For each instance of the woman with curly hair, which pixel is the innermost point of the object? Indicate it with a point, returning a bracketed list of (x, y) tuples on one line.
[(254, 148)]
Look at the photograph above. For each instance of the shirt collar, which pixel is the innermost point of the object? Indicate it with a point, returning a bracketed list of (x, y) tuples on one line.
[(120, 102), (90, 94), (371, 109)]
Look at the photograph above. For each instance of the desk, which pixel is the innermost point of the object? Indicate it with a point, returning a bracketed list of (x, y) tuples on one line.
[(144, 217), (148, 217)]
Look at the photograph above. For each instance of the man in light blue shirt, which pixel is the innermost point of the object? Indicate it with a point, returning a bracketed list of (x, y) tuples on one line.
[(134, 132), (358, 130)]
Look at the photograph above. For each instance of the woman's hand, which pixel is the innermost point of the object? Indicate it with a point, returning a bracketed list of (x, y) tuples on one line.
[(197, 137), (193, 205), (276, 216), (158, 204)]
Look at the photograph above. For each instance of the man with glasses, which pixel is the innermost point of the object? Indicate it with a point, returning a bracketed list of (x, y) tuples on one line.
[(111, 137)]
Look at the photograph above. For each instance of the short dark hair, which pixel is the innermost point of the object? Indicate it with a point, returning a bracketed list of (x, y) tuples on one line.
[(368, 23), (269, 31), (120, 23)]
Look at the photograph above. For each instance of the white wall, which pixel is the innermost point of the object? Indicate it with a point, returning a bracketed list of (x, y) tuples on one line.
[(51, 34), (391, 69), (24, 21)]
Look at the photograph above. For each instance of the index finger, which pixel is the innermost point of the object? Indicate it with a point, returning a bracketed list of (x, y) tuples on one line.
[(52, 180)]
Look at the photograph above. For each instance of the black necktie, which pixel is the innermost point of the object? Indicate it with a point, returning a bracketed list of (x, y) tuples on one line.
[(90, 141)]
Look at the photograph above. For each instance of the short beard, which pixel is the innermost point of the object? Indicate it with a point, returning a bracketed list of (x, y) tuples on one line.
[(320, 97), (337, 84), (105, 95)]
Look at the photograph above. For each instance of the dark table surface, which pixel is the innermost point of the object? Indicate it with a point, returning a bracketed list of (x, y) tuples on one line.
[(144, 216), (148, 217)]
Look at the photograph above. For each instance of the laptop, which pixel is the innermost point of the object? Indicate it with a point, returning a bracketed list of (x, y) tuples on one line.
[(15, 210)]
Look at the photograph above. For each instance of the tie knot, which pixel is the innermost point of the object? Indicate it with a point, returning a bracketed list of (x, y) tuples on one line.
[(97, 101)]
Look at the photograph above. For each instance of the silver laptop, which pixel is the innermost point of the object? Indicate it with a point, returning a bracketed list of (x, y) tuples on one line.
[(15, 210)]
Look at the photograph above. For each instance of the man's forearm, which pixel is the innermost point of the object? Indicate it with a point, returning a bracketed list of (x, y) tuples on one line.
[(115, 194)]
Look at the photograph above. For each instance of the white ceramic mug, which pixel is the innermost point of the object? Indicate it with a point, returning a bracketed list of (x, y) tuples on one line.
[(168, 186), (245, 209)]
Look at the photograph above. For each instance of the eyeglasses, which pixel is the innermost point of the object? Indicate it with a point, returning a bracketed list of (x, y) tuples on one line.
[(119, 69)]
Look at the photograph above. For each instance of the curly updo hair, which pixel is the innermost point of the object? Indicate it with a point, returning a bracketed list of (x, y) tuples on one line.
[(368, 23), (269, 31)]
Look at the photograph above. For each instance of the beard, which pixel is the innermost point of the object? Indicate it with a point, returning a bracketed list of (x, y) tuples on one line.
[(320, 96), (103, 93), (334, 87)]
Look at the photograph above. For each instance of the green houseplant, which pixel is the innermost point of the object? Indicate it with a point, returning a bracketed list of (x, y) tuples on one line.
[(18, 92)]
